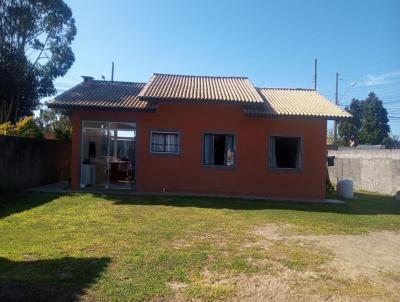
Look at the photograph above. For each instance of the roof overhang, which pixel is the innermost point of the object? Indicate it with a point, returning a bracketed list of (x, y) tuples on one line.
[(153, 108)]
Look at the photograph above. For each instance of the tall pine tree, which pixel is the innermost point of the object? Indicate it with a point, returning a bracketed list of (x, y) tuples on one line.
[(349, 130), (369, 124), (374, 123)]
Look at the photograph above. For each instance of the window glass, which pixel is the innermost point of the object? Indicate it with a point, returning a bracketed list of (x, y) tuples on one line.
[(123, 126), (219, 149), (165, 142), (285, 152), (95, 125)]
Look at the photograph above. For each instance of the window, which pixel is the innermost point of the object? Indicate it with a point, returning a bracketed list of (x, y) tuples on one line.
[(285, 152), (165, 142), (219, 149)]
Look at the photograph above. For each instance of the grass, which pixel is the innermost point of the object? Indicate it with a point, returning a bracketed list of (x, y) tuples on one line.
[(327, 286), (298, 257), (131, 248), (209, 292), (394, 276)]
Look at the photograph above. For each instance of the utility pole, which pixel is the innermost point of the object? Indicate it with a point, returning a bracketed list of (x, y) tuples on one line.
[(335, 130), (315, 74), (112, 72)]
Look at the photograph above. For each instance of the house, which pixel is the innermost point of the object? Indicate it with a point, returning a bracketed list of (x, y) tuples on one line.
[(199, 134)]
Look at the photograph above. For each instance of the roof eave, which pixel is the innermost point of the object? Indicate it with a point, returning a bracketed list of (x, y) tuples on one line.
[(197, 101), (152, 108), (297, 116)]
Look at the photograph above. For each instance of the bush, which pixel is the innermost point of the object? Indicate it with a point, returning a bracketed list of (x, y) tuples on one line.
[(63, 134), (392, 142), (28, 128), (7, 129), (329, 186)]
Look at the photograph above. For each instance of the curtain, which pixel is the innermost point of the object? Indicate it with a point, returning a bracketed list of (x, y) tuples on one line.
[(229, 150), (208, 149), (157, 143), (171, 143), (272, 153), (165, 142)]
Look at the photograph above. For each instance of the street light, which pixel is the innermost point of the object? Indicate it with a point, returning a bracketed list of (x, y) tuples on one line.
[(335, 124), (348, 88)]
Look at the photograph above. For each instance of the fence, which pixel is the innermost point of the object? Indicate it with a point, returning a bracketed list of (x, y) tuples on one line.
[(28, 162), (371, 170)]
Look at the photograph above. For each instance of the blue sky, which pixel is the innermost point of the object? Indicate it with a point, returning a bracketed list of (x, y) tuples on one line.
[(274, 43)]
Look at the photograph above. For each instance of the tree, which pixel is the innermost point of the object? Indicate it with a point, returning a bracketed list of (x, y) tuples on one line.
[(330, 137), (392, 142), (374, 125), (35, 49), (369, 124), (349, 130), (55, 121)]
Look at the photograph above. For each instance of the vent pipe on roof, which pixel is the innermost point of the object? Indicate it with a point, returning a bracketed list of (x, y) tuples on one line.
[(112, 72), (87, 78)]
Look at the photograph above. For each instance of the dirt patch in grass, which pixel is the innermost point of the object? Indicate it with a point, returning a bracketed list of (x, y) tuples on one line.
[(325, 267), (354, 255), (290, 285), (363, 255), (282, 266), (277, 288)]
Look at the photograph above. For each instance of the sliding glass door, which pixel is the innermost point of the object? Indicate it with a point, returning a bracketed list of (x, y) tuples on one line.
[(108, 154)]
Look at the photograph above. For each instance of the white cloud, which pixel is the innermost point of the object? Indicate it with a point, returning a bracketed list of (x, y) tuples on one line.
[(381, 79)]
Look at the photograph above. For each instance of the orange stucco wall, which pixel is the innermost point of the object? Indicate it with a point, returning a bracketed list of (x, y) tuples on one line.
[(185, 173)]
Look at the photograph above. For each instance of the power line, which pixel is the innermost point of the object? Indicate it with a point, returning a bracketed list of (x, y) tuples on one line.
[(392, 102), (64, 84)]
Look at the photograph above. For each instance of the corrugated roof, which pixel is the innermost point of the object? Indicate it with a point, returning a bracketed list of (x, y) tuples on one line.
[(168, 87), (103, 94), (179, 88), (296, 102)]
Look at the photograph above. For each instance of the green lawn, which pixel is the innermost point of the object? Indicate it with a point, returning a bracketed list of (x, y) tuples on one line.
[(134, 248)]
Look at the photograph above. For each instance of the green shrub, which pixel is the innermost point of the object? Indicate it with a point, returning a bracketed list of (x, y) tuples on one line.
[(28, 128), (329, 186), (63, 134), (7, 129)]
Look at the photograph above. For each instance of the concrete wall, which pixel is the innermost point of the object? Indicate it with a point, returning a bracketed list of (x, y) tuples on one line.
[(27, 162), (371, 170)]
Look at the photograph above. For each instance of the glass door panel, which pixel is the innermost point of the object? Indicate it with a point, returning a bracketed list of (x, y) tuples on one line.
[(108, 154), (122, 155), (95, 144)]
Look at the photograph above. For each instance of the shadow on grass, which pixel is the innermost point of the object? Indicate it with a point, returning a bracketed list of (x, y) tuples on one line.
[(15, 203), (56, 280), (364, 204)]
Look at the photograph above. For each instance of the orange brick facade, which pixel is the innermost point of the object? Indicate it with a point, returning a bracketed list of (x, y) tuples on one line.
[(185, 173)]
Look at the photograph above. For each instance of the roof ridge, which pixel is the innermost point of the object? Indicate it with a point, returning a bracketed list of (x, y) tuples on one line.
[(287, 88), (122, 82), (200, 76)]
